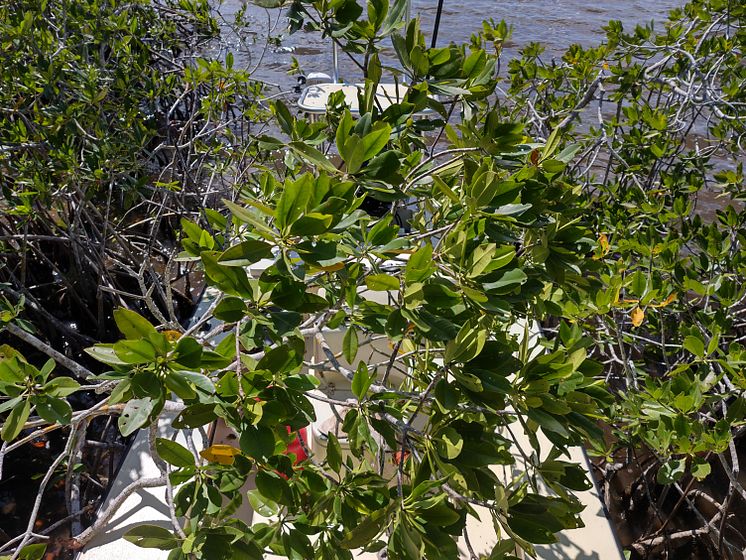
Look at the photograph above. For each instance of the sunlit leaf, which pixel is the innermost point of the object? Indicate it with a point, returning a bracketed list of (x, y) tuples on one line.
[(220, 453)]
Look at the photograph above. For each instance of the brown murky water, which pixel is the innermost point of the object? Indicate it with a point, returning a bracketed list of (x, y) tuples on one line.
[(555, 23)]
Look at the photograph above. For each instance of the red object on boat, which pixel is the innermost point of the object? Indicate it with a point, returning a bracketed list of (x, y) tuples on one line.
[(296, 448)]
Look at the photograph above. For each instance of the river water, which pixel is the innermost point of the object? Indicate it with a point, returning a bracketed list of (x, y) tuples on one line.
[(555, 23)]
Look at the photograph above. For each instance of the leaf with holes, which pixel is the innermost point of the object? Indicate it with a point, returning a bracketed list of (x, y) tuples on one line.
[(135, 415)]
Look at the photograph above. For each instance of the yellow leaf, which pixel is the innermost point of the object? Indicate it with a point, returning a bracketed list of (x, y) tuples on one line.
[(603, 242), (172, 336), (638, 316), (669, 300), (222, 454)]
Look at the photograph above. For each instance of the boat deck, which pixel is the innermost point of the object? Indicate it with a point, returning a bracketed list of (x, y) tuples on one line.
[(314, 98), (595, 541)]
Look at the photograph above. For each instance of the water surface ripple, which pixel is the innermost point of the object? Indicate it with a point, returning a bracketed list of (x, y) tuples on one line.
[(555, 23)]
